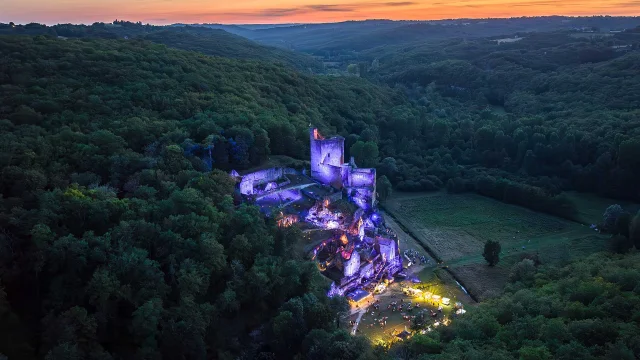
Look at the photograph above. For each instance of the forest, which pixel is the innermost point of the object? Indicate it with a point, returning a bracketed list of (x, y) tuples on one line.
[(349, 39), (204, 40), (589, 309), (116, 241), (552, 110), (121, 236)]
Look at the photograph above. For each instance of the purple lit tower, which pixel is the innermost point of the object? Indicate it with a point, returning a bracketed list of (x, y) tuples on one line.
[(327, 157), (328, 167)]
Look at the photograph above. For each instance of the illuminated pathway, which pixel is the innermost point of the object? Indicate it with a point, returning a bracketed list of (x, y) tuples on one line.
[(355, 326), (406, 242)]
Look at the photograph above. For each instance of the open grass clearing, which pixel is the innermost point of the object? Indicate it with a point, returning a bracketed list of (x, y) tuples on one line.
[(591, 207), (406, 241), (484, 281), (455, 228)]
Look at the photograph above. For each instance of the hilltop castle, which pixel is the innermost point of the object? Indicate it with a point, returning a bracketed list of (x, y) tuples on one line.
[(359, 251), (327, 169)]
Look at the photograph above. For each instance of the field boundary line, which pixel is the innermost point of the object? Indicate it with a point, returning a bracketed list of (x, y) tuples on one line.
[(428, 250)]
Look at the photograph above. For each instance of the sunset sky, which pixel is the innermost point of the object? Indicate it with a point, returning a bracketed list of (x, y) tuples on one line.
[(288, 11)]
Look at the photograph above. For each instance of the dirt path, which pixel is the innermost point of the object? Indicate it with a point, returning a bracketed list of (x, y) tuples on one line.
[(355, 326)]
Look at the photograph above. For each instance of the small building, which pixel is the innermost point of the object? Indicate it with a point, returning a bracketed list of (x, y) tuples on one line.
[(358, 297), (404, 334)]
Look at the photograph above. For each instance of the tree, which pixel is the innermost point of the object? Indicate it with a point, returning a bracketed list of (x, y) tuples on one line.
[(287, 337), (144, 327), (534, 353), (388, 167), (610, 216), (523, 271), (491, 252), (421, 344), (260, 149), (634, 230), (629, 154), (384, 188), (365, 153), (622, 225), (242, 141), (13, 342), (620, 244), (353, 69)]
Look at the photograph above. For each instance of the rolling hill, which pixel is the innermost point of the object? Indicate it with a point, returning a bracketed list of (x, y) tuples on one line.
[(213, 42)]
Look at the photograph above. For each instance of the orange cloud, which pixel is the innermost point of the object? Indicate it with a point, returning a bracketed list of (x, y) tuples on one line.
[(286, 11)]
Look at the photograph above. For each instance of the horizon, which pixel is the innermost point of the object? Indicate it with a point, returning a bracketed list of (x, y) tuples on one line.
[(240, 24), (296, 12)]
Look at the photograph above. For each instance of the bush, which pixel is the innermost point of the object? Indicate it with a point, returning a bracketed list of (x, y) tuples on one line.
[(524, 271)]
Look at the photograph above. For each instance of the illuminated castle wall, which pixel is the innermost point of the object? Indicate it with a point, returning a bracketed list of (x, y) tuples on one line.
[(378, 258), (328, 167), (327, 157), (250, 181), (360, 184), (352, 265)]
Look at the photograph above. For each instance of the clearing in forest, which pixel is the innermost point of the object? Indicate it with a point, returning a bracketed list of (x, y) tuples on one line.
[(456, 226), (591, 207)]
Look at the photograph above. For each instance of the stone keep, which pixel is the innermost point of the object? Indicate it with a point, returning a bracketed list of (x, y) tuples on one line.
[(327, 157)]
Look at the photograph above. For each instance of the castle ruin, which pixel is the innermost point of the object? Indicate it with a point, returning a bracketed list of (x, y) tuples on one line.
[(358, 251)]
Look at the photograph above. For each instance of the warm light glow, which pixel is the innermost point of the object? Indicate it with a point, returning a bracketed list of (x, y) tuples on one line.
[(286, 220), (343, 239), (295, 11)]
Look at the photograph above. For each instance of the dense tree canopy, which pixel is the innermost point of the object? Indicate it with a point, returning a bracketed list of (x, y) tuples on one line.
[(201, 39), (117, 241), (587, 310), (553, 110)]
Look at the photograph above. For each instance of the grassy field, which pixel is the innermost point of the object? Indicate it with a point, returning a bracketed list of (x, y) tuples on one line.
[(591, 207), (455, 228)]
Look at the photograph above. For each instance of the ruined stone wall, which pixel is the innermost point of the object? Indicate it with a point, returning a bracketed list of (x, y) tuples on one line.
[(388, 248), (367, 271), (329, 175), (363, 197), (352, 265), (361, 178), (251, 180)]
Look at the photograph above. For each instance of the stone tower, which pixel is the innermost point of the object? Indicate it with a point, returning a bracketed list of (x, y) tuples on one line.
[(327, 157)]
